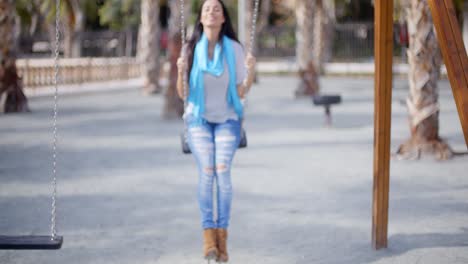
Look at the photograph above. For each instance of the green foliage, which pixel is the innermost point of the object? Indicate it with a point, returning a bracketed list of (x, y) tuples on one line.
[(232, 10), (281, 15), (354, 10), (66, 11), (90, 9), (459, 10), (458, 5), (196, 5), (25, 9), (120, 14)]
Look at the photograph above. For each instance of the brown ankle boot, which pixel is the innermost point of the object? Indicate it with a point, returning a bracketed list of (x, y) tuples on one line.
[(221, 237), (209, 244)]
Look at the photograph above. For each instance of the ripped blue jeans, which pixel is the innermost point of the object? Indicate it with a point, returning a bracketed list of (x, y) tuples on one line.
[(213, 145)]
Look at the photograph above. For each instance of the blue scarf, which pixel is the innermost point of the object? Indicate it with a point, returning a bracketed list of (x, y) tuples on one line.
[(202, 64)]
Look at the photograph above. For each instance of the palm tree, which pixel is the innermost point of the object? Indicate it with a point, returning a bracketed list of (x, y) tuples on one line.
[(249, 5), (248, 19), (315, 21), (264, 9), (264, 12), (29, 20), (148, 42), (425, 59), (304, 45), (10, 83), (322, 31), (73, 22), (120, 15)]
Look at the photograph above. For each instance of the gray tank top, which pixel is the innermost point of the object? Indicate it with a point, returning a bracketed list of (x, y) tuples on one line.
[(217, 109)]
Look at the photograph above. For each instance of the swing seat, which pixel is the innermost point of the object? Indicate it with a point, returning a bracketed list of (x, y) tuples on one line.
[(186, 148), (327, 101), (243, 139), (184, 143), (30, 242)]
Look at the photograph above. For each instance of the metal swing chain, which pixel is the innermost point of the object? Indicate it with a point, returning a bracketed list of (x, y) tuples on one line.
[(56, 76), (254, 26), (182, 36), (252, 35)]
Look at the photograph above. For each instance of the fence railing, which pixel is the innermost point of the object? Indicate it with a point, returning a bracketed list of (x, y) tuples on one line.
[(351, 42), (40, 72), (277, 41)]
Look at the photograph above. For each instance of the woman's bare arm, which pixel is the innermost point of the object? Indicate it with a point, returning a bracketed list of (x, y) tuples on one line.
[(181, 71), (244, 87)]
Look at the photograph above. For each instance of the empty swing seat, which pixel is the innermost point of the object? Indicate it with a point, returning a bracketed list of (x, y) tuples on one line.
[(30, 242), (327, 101), (243, 139)]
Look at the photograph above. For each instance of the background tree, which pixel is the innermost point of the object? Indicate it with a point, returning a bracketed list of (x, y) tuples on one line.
[(322, 33), (148, 43), (10, 83), (30, 22), (247, 24), (355, 10), (424, 59), (173, 105), (304, 10), (264, 14), (122, 15), (72, 17)]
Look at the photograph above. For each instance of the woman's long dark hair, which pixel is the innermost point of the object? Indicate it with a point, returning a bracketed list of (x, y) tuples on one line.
[(226, 30)]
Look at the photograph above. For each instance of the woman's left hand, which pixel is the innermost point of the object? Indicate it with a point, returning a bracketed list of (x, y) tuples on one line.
[(250, 62)]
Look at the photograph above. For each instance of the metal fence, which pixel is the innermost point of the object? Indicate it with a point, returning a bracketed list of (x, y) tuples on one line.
[(279, 41), (351, 42)]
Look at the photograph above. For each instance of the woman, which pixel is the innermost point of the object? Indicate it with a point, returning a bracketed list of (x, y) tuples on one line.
[(217, 80)]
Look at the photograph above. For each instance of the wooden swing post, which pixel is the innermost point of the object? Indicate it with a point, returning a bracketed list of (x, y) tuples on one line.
[(456, 61), (382, 119)]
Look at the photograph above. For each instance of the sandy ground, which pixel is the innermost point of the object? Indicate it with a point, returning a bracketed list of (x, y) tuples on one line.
[(302, 192)]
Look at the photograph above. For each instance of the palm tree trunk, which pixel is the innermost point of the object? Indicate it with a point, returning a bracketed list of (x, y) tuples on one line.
[(304, 48), (68, 39), (78, 27), (425, 59), (264, 12), (173, 105), (249, 8), (322, 34), (262, 18), (249, 4), (71, 22), (148, 52), (10, 82)]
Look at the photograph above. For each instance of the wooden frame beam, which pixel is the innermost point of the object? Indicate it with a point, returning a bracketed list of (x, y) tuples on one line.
[(456, 61), (382, 119), (454, 53)]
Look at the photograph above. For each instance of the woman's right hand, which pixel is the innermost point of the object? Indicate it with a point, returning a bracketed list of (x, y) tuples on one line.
[(182, 64)]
